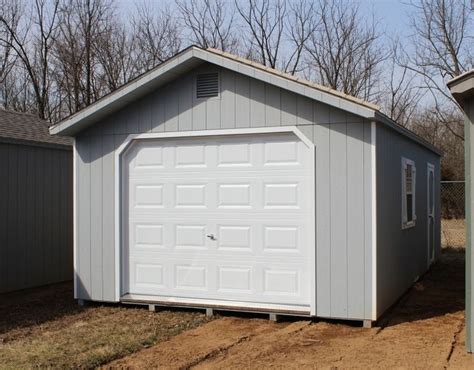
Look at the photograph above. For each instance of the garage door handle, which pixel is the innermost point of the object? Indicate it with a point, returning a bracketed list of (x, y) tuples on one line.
[(211, 236)]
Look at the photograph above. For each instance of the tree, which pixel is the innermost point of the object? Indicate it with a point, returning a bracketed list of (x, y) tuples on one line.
[(32, 41), (210, 23), (344, 51), (156, 35), (442, 41), (265, 22), (402, 94)]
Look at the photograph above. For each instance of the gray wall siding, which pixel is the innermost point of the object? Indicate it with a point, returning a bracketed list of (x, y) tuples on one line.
[(36, 216), (401, 254), (343, 194)]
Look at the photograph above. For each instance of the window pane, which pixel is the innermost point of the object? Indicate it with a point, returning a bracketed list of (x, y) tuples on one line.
[(409, 207)]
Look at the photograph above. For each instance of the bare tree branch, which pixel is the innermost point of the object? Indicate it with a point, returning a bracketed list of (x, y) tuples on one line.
[(211, 23)]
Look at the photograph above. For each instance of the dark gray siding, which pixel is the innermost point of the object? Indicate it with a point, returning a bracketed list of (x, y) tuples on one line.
[(35, 215), (343, 187), (402, 255)]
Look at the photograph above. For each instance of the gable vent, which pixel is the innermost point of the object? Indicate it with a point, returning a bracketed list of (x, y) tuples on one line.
[(207, 85)]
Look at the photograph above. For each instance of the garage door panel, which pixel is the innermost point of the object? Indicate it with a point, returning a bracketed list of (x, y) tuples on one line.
[(257, 282), (271, 194), (223, 219)]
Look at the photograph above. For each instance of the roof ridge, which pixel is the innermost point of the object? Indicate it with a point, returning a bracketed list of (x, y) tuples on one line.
[(289, 76)]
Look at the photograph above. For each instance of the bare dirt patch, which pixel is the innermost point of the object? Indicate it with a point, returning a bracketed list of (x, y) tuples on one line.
[(424, 330), (46, 327)]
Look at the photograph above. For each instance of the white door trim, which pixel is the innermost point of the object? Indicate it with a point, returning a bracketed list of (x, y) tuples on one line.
[(205, 133), (430, 168)]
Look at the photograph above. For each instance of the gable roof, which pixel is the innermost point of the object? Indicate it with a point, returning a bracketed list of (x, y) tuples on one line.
[(16, 126), (192, 57)]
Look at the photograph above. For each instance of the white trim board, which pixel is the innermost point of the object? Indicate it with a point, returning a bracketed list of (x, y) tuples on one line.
[(74, 216), (206, 133), (373, 135)]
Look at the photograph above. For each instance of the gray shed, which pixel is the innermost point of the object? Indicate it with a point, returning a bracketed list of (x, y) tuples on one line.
[(213, 181), (35, 203)]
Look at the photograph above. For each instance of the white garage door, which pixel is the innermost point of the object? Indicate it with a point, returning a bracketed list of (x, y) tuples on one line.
[(219, 218)]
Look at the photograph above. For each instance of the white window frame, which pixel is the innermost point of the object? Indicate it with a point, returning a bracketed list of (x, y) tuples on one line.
[(405, 223)]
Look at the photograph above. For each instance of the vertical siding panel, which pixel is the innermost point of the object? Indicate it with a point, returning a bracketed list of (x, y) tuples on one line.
[(39, 211), (4, 170), (242, 101), (185, 120), (355, 216), (304, 108), (48, 216), (320, 113), (20, 227), (199, 115), (228, 98), (55, 228), (83, 219), (171, 108), (120, 121), (144, 114), (288, 106), (108, 217), (323, 220), (213, 114), (108, 126), (337, 115), (272, 106), (96, 217), (33, 195), (338, 176), (12, 214), (131, 114), (62, 195), (157, 112), (257, 103)]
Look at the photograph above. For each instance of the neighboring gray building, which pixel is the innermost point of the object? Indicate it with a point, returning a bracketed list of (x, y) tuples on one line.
[(462, 88), (35, 203), (213, 181)]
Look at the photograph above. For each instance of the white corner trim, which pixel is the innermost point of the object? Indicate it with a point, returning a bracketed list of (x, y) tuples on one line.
[(74, 215), (204, 133), (429, 168), (374, 218)]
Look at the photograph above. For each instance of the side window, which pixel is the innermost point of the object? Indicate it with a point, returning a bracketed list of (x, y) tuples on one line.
[(408, 193)]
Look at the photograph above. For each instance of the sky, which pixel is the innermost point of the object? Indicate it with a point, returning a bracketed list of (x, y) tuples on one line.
[(390, 13)]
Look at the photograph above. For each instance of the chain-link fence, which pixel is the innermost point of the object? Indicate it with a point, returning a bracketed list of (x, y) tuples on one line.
[(453, 232)]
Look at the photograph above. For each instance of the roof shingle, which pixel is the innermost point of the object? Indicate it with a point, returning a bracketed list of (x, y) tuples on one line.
[(24, 126)]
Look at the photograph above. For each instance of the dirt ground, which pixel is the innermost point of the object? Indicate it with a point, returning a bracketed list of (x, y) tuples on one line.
[(45, 327), (424, 330)]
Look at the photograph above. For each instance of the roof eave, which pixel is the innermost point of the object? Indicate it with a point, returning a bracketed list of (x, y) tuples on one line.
[(462, 86), (387, 121)]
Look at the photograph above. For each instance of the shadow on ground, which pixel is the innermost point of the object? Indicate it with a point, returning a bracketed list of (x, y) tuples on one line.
[(439, 292), (31, 307)]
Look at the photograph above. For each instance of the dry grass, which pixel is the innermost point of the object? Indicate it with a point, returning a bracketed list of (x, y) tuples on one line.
[(46, 328), (453, 233)]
